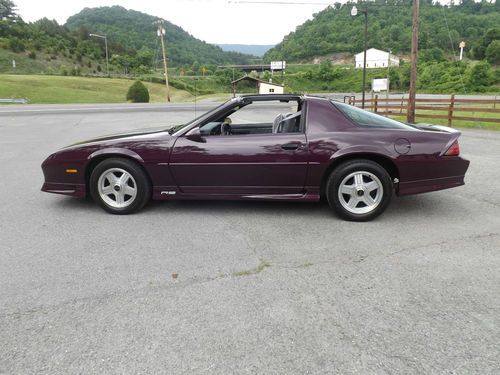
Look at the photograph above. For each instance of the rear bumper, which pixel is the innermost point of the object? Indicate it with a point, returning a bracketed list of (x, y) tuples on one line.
[(424, 186), (446, 173), (73, 190)]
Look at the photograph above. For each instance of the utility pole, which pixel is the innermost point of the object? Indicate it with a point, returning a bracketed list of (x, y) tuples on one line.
[(161, 34), (354, 13), (410, 113), (388, 79), (105, 37)]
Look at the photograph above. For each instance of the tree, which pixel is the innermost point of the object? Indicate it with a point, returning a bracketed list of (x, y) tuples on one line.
[(489, 36), (138, 93), (480, 76), (433, 54), (7, 10), (16, 45), (493, 52)]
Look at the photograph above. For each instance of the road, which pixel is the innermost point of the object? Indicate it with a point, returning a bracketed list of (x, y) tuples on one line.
[(240, 287)]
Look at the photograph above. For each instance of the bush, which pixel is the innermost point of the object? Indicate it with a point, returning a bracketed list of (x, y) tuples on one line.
[(138, 93), (16, 45), (75, 71), (32, 55), (493, 52), (480, 76)]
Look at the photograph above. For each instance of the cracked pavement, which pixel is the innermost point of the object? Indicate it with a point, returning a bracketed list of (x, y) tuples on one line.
[(258, 287)]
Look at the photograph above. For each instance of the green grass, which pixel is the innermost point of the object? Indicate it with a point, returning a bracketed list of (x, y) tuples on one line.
[(261, 267), (45, 63), (64, 90)]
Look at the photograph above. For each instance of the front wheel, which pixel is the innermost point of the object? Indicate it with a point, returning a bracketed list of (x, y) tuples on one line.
[(359, 190), (120, 186)]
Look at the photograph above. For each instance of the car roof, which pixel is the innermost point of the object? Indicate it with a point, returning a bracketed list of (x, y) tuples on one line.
[(264, 97)]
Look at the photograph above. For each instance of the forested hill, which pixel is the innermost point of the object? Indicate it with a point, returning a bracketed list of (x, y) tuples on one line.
[(135, 31), (389, 26)]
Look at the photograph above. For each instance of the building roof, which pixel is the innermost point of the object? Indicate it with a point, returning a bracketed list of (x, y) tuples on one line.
[(248, 78), (374, 50)]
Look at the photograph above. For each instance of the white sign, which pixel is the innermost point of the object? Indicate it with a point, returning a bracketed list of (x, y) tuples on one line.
[(380, 84), (14, 64), (278, 65)]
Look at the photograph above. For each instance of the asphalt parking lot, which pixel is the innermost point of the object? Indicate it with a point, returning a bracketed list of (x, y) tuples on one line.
[(240, 287)]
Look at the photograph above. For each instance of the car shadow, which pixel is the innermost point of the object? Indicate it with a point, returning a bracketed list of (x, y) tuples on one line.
[(427, 204), (241, 207)]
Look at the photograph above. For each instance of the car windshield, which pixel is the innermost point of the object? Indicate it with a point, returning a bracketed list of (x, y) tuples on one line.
[(368, 119)]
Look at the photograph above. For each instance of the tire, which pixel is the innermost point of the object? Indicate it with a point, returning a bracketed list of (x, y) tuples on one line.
[(359, 190), (120, 186)]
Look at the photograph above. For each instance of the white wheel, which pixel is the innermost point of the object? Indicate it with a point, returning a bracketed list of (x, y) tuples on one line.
[(117, 188), (360, 192), (120, 186)]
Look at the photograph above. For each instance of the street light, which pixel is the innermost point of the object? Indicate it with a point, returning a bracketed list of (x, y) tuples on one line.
[(354, 13), (105, 37)]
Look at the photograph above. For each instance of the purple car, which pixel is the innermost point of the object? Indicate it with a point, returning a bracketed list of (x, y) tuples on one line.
[(264, 147)]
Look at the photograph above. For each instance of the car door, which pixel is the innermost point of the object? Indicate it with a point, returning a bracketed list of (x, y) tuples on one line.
[(236, 164)]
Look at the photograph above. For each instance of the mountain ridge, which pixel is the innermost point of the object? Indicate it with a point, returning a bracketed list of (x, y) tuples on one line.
[(334, 30), (135, 30)]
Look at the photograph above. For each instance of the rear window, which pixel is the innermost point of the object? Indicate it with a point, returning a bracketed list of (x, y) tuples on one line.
[(368, 119)]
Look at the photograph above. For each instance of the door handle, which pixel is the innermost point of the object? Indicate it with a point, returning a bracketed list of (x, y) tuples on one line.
[(291, 146)]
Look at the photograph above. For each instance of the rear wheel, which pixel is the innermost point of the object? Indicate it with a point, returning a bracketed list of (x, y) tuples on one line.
[(120, 186), (359, 190)]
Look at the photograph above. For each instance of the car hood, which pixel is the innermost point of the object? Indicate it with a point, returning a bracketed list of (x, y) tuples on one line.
[(120, 136)]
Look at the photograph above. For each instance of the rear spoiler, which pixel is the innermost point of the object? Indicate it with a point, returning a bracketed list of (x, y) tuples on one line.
[(435, 128)]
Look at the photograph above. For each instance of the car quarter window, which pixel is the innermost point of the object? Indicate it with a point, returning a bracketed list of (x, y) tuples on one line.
[(368, 119), (258, 117)]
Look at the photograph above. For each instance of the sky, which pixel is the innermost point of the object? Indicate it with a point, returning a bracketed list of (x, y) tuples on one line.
[(214, 21)]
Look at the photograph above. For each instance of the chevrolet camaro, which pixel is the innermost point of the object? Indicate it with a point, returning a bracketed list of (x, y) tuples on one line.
[(264, 147)]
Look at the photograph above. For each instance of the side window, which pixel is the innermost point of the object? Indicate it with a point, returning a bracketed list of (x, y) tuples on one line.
[(259, 117)]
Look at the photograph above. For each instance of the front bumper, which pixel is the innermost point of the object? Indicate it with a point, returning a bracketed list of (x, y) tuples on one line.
[(73, 190)]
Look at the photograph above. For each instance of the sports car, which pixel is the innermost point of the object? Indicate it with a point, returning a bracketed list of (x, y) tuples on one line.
[(264, 147)]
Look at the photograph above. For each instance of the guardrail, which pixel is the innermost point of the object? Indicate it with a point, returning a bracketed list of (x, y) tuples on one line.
[(14, 101), (453, 108)]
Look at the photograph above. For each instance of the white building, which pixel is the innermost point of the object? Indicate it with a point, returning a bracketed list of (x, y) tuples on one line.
[(376, 58), (270, 88), (262, 87)]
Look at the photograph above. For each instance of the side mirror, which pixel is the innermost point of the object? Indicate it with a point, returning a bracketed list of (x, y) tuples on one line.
[(195, 135)]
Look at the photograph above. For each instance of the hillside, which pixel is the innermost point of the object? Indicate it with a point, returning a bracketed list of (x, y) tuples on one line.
[(55, 89), (334, 30), (133, 30), (45, 47)]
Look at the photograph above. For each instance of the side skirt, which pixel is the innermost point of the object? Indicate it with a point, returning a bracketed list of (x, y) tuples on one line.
[(172, 193)]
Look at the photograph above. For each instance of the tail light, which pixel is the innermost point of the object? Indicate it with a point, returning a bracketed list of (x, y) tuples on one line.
[(454, 150)]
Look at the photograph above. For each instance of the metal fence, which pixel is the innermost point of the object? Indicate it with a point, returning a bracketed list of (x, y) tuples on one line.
[(14, 100)]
